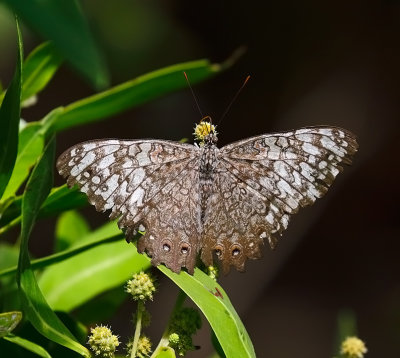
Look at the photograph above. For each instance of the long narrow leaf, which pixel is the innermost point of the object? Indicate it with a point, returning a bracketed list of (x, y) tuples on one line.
[(30, 146), (28, 345), (63, 255), (32, 138), (63, 23), (213, 301), (39, 68), (135, 92), (9, 121), (70, 228), (60, 199), (8, 321), (105, 266), (34, 304)]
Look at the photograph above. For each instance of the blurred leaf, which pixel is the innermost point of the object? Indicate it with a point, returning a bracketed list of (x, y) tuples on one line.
[(8, 321), (63, 23), (33, 136), (8, 255), (107, 233), (206, 294), (71, 227), (35, 306), (63, 255), (62, 199), (9, 121), (8, 287), (30, 146), (165, 352), (346, 326), (133, 93), (90, 273), (59, 200), (102, 307), (39, 68), (107, 230), (28, 345), (77, 328)]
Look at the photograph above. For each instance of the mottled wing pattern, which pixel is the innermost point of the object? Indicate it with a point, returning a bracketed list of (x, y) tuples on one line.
[(150, 185), (263, 180)]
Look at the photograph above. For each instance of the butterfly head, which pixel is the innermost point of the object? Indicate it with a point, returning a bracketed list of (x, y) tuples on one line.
[(205, 132)]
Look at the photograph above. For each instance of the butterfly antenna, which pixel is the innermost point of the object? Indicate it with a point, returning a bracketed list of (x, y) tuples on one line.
[(233, 99), (194, 96)]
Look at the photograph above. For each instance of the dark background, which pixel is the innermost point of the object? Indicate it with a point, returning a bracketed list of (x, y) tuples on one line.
[(311, 63)]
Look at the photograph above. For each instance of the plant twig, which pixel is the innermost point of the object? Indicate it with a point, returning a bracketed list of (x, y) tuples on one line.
[(138, 328)]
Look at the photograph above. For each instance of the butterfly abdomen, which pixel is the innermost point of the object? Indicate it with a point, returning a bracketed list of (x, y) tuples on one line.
[(208, 163)]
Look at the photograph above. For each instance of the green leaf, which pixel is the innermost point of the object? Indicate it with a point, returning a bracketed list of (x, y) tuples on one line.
[(8, 255), (8, 321), (217, 346), (39, 68), (36, 191), (30, 146), (28, 345), (63, 23), (8, 286), (91, 272), (59, 200), (70, 228), (102, 307), (165, 352), (63, 255), (133, 93), (9, 121), (34, 304), (62, 199), (213, 301), (33, 139)]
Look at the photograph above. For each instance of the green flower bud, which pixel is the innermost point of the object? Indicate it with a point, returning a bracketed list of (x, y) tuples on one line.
[(184, 324), (212, 271), (186, 320), (141, 287), (181, 343), (102, 342), (173, 338), (353, 347), (143, 348)]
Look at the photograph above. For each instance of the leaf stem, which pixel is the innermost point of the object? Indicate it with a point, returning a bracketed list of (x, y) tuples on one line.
[(139, 313), (164, 339), (10, 225)]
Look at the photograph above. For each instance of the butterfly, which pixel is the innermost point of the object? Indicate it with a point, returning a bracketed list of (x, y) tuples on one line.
[(201, 200)]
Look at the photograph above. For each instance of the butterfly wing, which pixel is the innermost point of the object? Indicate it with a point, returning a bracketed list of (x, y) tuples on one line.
[(147, 184), (263, 180)]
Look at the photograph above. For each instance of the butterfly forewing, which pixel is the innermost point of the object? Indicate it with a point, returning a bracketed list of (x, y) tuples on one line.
[(145, 183)]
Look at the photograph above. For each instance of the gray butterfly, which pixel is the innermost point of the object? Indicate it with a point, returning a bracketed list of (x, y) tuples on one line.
[(199, 199)]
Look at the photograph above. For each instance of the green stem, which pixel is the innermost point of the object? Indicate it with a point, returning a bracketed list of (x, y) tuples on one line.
[(164, 342), (10, 225), (138, 328)]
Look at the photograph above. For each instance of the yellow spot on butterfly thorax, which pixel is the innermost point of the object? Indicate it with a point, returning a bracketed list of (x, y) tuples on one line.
[(202, 130)]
